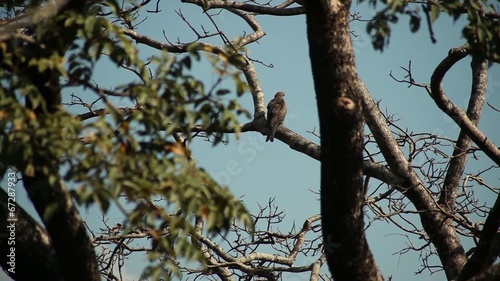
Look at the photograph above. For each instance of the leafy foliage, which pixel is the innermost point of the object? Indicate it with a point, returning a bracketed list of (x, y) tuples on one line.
[(482, 29), (128, 158)]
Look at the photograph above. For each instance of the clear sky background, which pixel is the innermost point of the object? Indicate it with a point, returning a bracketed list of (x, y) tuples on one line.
[(259, 171)]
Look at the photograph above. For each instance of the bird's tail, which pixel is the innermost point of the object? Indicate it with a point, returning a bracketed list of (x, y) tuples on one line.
[(270, 137)]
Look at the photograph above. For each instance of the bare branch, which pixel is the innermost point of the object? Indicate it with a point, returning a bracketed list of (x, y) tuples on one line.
[(427, 12), (442, 236), (276, 11)]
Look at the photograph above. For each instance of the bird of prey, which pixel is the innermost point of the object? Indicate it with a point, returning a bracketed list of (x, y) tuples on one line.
[(276, 111)]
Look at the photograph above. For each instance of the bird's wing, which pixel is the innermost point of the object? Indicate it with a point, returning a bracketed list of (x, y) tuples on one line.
[(270, 109), (275, 114)]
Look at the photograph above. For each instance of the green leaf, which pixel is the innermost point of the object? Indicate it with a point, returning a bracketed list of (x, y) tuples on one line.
[(238, 61), (195, 47), (435, 12), (414, 23)]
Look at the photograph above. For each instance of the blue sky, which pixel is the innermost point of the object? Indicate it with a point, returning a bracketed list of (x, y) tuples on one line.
[(258, 171)]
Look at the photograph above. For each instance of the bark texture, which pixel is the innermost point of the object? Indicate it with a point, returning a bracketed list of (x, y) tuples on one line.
[(33, 249), (51, 199), (440, 231), (341, 123)]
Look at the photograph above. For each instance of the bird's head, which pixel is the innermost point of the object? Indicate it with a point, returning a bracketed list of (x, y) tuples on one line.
[(279, 95)]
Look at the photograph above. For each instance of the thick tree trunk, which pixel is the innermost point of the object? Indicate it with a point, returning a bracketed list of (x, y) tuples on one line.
[(32, 251), (65, 226), (341, 127), (52, 201)]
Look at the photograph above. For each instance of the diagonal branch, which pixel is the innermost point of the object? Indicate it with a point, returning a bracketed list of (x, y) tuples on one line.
[(492, 273), (464, 143), (479, 260), (443, 236), (276, 11)]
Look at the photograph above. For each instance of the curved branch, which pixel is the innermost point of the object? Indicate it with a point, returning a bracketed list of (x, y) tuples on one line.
[(301, 236), (250, 20), (455, 112)]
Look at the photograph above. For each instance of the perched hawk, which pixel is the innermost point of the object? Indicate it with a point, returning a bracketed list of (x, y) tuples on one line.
[(276, 111)]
